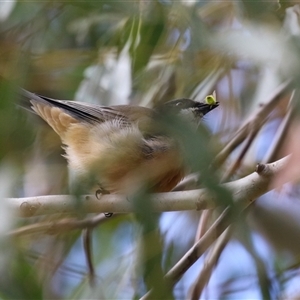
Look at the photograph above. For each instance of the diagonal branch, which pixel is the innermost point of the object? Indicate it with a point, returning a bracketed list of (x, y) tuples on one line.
[(255, 122), (210, 262), (265, 173), (196, 251), (59, 226)]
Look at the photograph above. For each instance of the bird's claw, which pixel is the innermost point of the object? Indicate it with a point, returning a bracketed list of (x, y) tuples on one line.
[(101, 191)]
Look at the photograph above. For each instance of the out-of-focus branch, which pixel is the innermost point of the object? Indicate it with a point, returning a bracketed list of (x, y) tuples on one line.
[(244, 191), (195, 252), (213, 256), (240, 158), (254, 123), (263, 171), (59, 226), (280, 135), (210, 262)]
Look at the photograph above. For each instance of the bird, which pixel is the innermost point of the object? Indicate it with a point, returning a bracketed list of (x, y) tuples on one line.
[(115, 148)]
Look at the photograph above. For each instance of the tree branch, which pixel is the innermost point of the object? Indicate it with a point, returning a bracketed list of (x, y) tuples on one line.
[(197, 250), (59, 226), (244, 191)]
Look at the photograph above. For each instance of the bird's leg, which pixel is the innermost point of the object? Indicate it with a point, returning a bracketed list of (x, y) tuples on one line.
[(87, 239), (87, 246), (102, 191)]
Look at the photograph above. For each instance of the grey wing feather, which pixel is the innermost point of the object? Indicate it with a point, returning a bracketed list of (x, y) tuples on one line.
[(90, 113)]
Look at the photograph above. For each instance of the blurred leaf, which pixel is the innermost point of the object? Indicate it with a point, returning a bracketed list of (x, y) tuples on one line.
[(150, 248), (20, 280), (258, 9), (150, 29)]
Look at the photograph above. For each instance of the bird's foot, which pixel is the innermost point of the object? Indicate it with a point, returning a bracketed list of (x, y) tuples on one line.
[(101, 191)]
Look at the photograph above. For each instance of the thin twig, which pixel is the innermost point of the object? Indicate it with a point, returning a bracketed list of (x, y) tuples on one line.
[(60, 226), (237, 163), (202, 226), (195, 252), (280, 136), (210, 262), (254, 123), (190, 182)]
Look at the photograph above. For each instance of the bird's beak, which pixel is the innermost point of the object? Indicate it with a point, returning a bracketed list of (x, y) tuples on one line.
[(206, 108)]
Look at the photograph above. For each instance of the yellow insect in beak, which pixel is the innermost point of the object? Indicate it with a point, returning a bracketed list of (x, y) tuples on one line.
[(211, 99)]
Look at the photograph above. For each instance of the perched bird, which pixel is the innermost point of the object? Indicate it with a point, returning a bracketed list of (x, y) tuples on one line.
[(116, 147)]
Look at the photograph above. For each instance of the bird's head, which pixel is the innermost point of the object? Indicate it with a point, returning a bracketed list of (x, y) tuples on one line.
[(189, 109)]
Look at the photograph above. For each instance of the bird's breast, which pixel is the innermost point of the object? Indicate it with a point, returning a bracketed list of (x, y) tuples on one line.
[(121, 158)]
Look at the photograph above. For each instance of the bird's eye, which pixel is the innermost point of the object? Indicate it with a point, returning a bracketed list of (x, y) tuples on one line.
[(178, 104)]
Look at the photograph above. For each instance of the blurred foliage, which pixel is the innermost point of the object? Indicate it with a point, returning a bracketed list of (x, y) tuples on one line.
[(144, 53)]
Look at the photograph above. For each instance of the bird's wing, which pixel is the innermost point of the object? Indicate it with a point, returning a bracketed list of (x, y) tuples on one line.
[(60, 114), (80, 111)]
